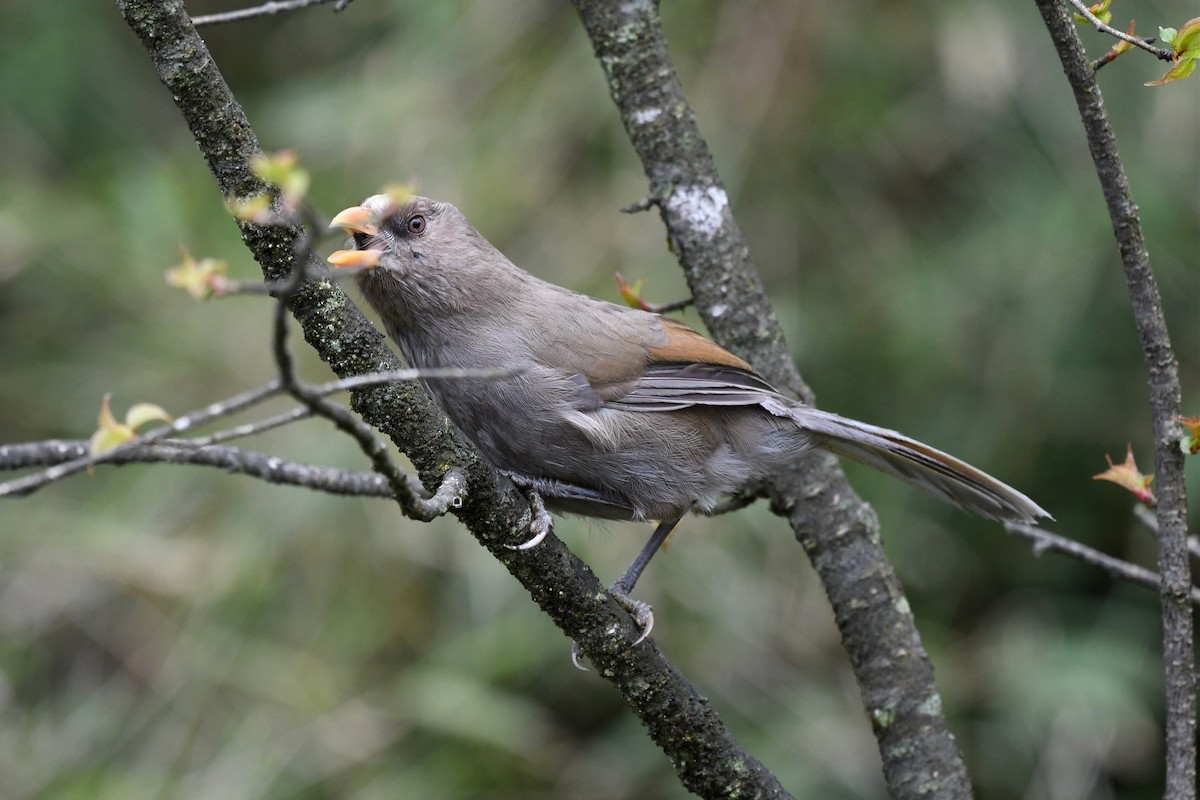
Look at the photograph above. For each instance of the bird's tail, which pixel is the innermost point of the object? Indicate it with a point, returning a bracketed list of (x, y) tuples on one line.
[(919, 464)]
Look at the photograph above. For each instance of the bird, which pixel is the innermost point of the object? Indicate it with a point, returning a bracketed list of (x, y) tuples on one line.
[(609, 411)]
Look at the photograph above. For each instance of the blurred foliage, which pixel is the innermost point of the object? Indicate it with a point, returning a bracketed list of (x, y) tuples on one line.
[(919, 197)]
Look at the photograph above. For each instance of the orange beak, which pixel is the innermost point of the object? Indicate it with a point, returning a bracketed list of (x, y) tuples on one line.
[(360, 259), (355, 219)]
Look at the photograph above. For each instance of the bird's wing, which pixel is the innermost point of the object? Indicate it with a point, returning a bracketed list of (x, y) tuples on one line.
[(680, 368), (671, 386)]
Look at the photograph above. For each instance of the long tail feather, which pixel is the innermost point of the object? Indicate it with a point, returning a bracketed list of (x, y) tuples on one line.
[(918, 464)]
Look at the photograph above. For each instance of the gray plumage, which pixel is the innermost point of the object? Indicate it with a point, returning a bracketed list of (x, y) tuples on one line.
[(618, 413)]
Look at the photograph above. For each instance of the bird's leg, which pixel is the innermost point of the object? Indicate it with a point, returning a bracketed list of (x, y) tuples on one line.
[(641, 611)]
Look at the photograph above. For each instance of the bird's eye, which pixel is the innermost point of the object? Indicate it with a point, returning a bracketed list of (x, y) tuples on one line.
[(416, 225)]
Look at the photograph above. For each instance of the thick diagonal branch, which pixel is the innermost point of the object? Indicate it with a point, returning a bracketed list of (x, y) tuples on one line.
[(680, 720), (838, 531)]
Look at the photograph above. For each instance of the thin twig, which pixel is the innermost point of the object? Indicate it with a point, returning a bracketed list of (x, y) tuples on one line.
[(263, 466), (1044, 541), (248, 429), (53, 452), (266, 9), (223, 408), (425, 374), (1137, 41), (1150, 522), (236, 287)]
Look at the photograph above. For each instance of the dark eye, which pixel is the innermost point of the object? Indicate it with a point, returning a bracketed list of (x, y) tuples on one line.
[(416, 225)]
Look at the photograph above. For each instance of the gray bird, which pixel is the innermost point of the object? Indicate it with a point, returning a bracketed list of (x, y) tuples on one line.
[(615, 412)]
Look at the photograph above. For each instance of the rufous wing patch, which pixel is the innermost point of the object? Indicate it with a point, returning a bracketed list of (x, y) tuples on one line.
[(685, 345)]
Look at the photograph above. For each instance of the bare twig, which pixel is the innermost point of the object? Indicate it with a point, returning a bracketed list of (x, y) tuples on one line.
[(1150, 522), (1044, 541), (266, 9), (643, 204), (223, 408), (427, 373), (248, 429), (55, 452), (269, 468), (1165, 397), (230, 288), (1137, 41)]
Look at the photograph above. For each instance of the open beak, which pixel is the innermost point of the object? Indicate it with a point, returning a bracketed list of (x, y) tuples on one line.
[(360, 259), (356, 219)]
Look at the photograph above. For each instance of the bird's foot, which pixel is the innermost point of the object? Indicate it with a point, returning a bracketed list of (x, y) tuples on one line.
[(640, 610), (540, 523)]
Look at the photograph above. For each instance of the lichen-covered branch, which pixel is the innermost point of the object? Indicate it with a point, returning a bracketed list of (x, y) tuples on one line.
[(837, 530), (679, 719)]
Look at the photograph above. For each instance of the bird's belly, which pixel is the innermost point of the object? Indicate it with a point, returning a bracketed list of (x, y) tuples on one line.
[(637, 464)]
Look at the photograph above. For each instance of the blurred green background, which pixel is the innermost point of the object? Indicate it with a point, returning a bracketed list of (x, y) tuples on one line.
[(915, 185)]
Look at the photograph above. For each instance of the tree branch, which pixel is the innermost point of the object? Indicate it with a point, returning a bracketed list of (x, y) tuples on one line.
[(31, 483), (65, 467), (265, 10), (269, 468), (839, 532), (680, 720), (1044, 541), (1165, 396), (1137, 41), (1150, 522)]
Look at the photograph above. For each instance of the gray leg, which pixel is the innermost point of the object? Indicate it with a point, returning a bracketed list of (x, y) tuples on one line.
[(629, 577), (641, 611)]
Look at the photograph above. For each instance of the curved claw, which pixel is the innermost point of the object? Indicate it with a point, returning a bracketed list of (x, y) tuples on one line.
[(576, 653), (540, 526), (641, 611)]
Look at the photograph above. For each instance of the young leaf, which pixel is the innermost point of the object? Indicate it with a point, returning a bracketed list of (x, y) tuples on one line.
[(202, 279), (1186, 44), (1187, 39), (1128, 476), (1190, 444), (282, 169), (631, 293), (141, 413), (110, 433), (1182, 68), (399, 193), (255, 209), (1100, 10)]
